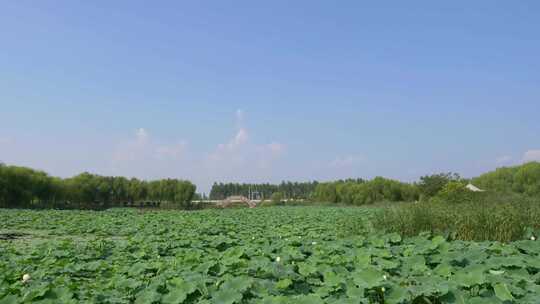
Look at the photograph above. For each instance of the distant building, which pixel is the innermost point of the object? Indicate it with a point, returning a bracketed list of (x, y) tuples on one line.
[(473, 188), (236, 199)]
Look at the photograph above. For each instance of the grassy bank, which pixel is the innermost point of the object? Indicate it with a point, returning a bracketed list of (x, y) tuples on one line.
[(489, 217)]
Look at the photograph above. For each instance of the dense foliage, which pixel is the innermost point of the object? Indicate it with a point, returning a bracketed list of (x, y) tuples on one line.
[(290, 190), (277, 197), (465, 215), (27, 188), (455, 192), (361, 192), (22, 187), (523, 179), (430, 185), (262, 255)]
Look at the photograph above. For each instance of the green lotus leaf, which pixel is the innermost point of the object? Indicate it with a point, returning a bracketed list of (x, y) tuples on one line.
[(178, 291), (308, 299), (306, 269), (502, 292), (226, 296), (240, 284), (10, 299), (284, 284), (469, 278), (368, 277), (396, 295), (148, 296), (332, 279)]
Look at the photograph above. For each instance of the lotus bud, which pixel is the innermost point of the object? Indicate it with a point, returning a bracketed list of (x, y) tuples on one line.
[(26, 277)]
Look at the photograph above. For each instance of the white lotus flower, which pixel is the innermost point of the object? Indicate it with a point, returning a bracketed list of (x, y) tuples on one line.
[(26, 277), (313, 243), (533, 238), (384, 277), (278, 259)]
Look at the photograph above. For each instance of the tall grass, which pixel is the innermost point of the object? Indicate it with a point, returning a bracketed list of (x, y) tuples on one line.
[(487, 217)]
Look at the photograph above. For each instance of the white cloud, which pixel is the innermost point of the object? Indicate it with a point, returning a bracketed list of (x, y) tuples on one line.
[(241, 155), (231, 148), (143, 147), (502, 160), (240, 138), (133, 149), (237, 159), (144, 154), (347, 161), (531, 155), (141, 135)]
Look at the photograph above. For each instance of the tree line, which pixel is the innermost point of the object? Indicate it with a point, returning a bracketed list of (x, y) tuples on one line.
[(289, 190), (362, 192), (349, 191), (524, 179), (22, 187)]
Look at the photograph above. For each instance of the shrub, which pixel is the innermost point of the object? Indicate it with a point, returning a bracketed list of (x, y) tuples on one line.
[(430, 185), (523, 179), (277, 197), (455, 192)]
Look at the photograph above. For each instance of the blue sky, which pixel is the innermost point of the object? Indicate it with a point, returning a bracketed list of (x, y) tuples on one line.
[(269, 90)]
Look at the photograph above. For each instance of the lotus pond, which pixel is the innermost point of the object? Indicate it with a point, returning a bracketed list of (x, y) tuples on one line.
[(261, 255)]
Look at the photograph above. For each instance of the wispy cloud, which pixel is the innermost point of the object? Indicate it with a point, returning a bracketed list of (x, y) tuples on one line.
[(232, 147), (141, 135), (135, 148), (531, 155), (241, 154), (347, 161), (238, 158), (142, 153)]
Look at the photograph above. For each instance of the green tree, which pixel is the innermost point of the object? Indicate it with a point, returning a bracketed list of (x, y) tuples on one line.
[(277, 197), (527, 179), (326, 192), (455, 192), (430, 185)]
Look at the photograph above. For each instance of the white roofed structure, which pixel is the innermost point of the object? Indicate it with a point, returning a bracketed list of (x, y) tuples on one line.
[(473, 188)]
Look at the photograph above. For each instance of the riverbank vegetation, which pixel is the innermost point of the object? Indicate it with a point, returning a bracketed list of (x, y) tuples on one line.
[(22, 187), (486, 217)]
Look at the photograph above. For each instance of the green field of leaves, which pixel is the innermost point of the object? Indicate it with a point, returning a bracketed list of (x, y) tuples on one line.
[(261, 255)]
